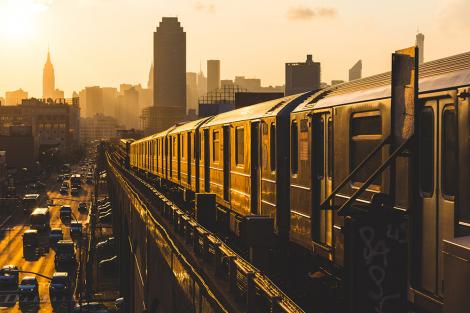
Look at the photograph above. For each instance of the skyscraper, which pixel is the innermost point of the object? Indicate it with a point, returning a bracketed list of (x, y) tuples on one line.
[(213, 75), (48, 79), (420, 44), (355, 72), (302, 77), (169, 74)]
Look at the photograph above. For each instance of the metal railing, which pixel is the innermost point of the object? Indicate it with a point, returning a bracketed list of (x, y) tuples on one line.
[(247, 284)]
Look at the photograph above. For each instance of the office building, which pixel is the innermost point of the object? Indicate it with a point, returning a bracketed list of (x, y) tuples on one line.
[(201, 84), (420, 45), (355, 72), (98, 127), (302, 77), (213, 75), (48, 81), (52, 123), (169, 92), (191, 91), (250, 84), (15, 97)]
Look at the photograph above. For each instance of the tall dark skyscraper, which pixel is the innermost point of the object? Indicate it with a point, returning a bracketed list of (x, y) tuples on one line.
[(48, 79), (169, 53), (302, 77)]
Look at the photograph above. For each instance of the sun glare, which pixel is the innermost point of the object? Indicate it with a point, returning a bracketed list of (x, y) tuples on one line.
[(18, 17)]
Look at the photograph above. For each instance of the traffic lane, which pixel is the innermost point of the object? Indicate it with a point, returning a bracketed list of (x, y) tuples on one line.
[(11, 246)]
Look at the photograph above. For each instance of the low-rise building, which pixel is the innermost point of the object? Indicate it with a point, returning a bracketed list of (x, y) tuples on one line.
[(98, 127), (53, 123)]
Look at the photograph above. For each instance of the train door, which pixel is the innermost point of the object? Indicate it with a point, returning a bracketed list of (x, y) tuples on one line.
[(437, 186), (207, 173), (179, 154), (322, 152), (227, 152), (189, 155), (255, 168)]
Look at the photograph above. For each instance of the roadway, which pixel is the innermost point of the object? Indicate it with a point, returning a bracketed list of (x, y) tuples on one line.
[(11, 247)]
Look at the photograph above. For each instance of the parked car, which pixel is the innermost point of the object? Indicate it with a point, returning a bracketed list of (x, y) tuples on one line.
[(103, 201), (108, 266), (59, 286), (9, 277), (105, 211), (55, 235), (106, 248), (29, 286), (90, 307), (106, 219), (82, 207)]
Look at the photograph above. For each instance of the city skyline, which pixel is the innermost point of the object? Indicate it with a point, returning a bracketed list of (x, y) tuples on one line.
[(98, 50)]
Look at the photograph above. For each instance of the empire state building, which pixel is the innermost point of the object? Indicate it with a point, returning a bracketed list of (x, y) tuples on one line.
[(48, 79)]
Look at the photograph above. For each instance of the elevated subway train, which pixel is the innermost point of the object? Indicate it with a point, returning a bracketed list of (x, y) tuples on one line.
[(280, 160)]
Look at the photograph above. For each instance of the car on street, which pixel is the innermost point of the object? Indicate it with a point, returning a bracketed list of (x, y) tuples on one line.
[(90, 307), (9, 277), (40, 219), (76, 228), (59, 286), (65, 214), (30, 238), (75, 191), (30, 201), (64, 190), (82, 207), (65, 258), (28, 286), (55, 235)]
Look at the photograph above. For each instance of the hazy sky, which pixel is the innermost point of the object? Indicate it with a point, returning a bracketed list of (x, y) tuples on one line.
[(108, 42)]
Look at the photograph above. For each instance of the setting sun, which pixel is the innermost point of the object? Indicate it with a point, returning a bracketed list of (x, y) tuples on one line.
[(17, 17)]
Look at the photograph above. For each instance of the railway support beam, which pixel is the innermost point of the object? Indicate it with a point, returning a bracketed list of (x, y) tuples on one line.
[(206, 209)]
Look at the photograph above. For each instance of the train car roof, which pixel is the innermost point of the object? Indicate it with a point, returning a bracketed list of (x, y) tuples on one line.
[(154, 136), (163, 133), (189, 125), (252, 112), (441, 74)]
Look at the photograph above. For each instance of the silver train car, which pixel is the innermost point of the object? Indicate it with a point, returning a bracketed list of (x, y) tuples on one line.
[(281, 159)]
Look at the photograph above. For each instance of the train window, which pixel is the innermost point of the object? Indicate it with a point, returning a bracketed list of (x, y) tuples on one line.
[(272, 147), (449, 151), (426, 142), (215, 146), (319, 146), (366, 134), (330, 147), (239, 145), (294, 153)]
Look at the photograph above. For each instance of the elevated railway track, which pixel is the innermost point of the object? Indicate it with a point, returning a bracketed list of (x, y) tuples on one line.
[(171, 251)]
